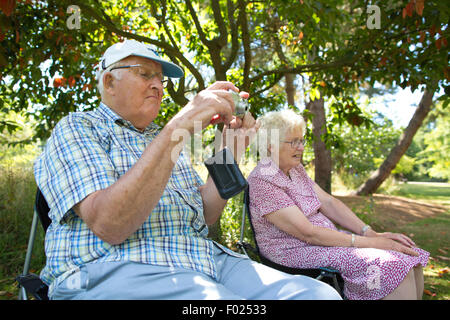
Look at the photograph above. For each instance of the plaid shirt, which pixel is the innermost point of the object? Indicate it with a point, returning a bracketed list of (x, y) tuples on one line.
[(89, 151)]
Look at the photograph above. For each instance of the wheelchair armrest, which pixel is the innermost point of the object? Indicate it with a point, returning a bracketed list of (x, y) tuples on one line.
[(33, 285), (245, 246), (329, 270)]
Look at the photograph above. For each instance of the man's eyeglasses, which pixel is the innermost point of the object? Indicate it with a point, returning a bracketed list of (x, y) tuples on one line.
[(144, 73), (295, 144)]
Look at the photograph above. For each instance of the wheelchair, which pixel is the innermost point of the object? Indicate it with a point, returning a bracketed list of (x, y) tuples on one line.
[(327, 275)]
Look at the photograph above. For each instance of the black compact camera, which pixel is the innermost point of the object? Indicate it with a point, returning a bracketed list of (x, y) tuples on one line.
[(226, 174)]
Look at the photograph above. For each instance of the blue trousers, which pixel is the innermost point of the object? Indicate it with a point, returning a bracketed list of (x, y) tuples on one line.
[(238, 278)]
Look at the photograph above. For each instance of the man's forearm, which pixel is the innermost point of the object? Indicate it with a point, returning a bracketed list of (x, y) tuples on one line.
[(119, 210)]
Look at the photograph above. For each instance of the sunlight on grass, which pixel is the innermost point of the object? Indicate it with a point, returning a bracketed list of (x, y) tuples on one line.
[(436, 192)]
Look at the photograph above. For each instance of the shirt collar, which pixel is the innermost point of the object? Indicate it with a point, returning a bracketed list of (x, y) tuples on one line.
[(269, 167), (110, 114)]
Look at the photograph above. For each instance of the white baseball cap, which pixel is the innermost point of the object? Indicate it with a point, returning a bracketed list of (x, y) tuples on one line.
[(121, 50)]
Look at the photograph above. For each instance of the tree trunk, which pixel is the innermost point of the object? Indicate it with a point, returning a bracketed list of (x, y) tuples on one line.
[(378, 176), (290, 88), (322, 156)]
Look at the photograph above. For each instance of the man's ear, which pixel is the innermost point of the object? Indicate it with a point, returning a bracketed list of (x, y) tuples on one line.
[(108, 83)]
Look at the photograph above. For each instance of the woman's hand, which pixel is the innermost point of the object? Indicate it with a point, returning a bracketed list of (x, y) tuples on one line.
[(398, 237), (385, 242)]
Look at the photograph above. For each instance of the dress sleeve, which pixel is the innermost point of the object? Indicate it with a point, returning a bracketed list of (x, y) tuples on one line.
[(266, 197), (73, 165)]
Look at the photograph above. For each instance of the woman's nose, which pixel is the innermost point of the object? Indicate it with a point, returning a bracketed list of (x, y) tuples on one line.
[(300, 146)]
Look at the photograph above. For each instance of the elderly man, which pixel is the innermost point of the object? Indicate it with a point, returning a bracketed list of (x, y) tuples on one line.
[(128, 220)]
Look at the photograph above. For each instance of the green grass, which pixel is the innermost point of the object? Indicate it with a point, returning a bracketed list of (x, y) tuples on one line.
[(17, 191), (431, 234), (435, 192)]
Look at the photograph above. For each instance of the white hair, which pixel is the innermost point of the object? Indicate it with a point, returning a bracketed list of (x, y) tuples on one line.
[(99, 75), (276, 124)]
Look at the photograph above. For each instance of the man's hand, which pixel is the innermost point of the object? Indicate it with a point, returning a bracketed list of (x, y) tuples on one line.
[(214, 100), (239, 134)]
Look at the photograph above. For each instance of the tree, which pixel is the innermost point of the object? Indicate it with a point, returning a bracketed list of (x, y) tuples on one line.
[(322, 154), (437, 144), (360, 150), (48, 68), (378, 177), (410, 55), (215, 40)]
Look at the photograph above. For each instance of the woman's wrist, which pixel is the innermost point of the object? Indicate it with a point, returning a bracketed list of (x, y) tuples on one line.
[(364, 230), (371, 233), (367, 231)]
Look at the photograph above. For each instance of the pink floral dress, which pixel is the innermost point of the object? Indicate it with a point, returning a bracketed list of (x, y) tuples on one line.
[(368, 273)]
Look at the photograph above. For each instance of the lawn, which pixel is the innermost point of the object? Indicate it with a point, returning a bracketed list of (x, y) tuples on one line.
[(435, 192), (421, 211), (433, 235)]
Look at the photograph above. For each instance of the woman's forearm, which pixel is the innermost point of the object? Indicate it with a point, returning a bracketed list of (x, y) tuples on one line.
[(339, 213), (320, 236), (326, 237)]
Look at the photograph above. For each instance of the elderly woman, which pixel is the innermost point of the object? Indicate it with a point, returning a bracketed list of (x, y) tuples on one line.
[(294, 223)]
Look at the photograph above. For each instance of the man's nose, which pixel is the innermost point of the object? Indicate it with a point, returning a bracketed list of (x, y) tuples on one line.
[(156, 83)]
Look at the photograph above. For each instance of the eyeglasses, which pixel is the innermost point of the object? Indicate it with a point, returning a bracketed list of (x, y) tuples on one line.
[(144, 73), (296, 143)]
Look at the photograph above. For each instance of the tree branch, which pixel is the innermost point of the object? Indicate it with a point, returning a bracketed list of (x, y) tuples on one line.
[(194, 71), (305, 68), (246, 44), (212, 45), (276, 79), (172, 52), (234, 36), (201, 34), (223, 33)]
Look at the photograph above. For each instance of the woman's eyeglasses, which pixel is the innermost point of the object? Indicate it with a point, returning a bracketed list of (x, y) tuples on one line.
[(296, 143)]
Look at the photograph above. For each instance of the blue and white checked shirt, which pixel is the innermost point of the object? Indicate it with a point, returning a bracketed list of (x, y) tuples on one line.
[(89, 151)]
